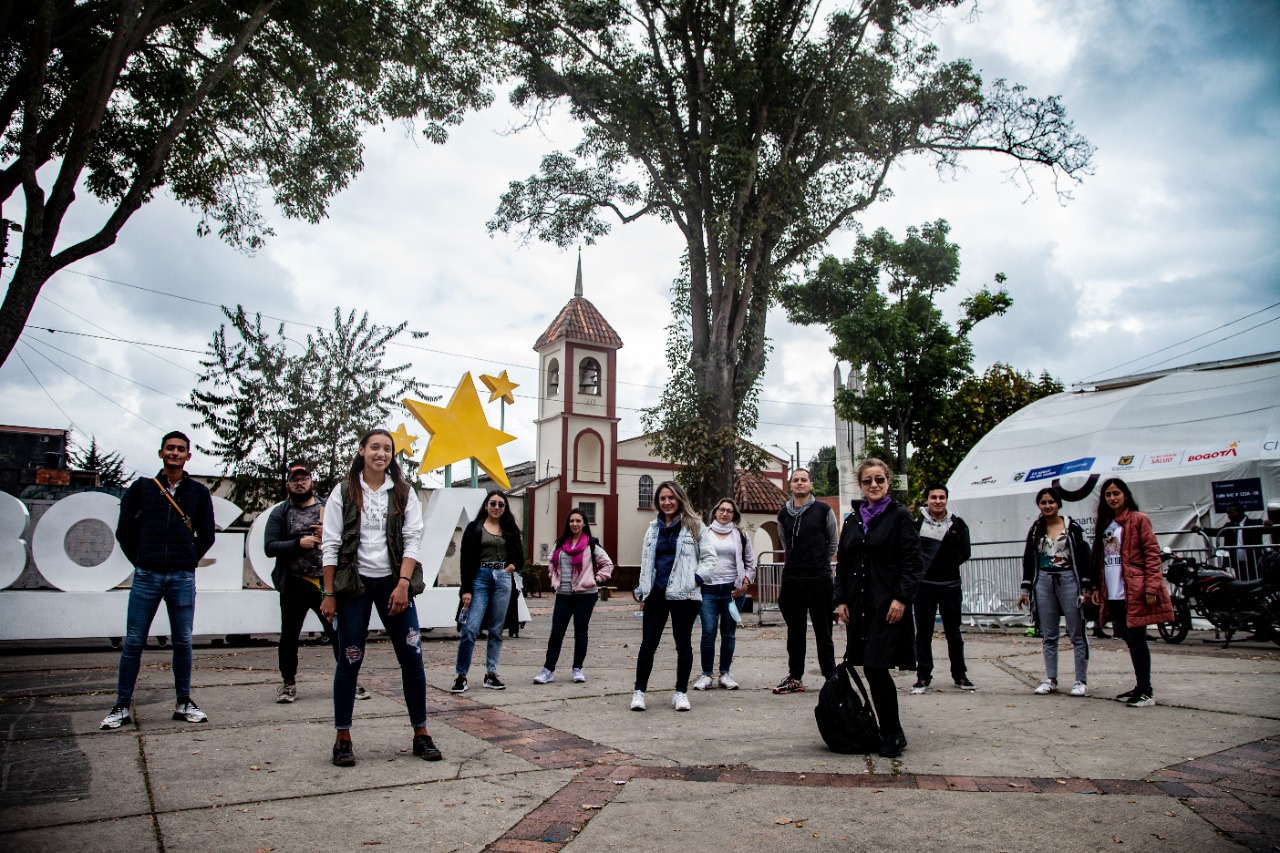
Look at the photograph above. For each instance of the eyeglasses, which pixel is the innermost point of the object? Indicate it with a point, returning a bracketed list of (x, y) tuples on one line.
[(879, 481), (497, 505), (728, 509)]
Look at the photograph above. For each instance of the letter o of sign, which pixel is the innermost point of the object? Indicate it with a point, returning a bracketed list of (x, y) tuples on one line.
[(13, 548), (48, 545)]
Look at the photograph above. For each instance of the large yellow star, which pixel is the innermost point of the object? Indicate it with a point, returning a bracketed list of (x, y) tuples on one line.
[(403, 441), (499, 386), (460, 431)]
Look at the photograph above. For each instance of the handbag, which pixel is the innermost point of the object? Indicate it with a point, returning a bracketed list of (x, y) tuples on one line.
[(846, 720)]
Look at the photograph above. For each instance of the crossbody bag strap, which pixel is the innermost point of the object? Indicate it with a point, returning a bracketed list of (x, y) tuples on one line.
[(186, 519)]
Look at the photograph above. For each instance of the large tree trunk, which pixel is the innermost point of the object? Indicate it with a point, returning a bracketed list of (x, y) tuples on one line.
[(29, 276)]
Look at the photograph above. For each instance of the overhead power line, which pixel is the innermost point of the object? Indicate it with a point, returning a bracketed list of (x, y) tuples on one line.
[(1185, 341)]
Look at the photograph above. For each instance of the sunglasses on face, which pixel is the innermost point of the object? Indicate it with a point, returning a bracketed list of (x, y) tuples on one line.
[(497, 505), (879, 481)]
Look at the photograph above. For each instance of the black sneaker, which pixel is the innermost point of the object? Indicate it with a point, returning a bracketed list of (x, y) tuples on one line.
[(965, 684), (343, 754), (1140, 700), (492, 682), (459, 685), (425, 748), (1127, 695), (789, 685), (893, 745)]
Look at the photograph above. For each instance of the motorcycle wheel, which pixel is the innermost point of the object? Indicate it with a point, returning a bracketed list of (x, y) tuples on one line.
[(1176, 631)]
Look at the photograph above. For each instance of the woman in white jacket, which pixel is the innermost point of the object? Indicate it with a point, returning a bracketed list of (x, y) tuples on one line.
[(578, 566), (677, 555)]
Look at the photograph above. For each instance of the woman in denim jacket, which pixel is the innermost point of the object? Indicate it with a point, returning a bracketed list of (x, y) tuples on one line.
[(677, 555)]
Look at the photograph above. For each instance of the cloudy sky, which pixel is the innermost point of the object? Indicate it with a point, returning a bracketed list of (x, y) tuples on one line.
[(1167, 255)]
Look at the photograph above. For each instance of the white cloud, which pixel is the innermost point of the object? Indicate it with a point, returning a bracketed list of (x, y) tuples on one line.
[(1171, 237)]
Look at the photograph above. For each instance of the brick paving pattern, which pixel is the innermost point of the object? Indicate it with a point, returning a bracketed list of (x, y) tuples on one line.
[(1204, 785)]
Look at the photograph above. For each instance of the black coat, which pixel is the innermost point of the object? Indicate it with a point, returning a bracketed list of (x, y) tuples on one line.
[(878, 567)]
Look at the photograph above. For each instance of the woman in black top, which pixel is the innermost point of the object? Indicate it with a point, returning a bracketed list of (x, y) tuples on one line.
[(491, 552), (1055, 580), (878, 569)]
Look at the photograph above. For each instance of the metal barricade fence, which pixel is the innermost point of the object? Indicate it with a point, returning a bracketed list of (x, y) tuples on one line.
[(768, 582), (991, 587)]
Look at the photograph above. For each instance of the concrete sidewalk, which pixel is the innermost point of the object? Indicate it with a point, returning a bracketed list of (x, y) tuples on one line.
[(569, 766)]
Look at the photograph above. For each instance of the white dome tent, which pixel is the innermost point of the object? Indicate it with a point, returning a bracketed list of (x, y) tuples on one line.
[(1169, 435)]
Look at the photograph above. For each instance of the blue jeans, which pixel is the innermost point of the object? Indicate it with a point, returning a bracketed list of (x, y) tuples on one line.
[(490, 598), (715, 609), (178, 591), (353, 628), (578, 607)]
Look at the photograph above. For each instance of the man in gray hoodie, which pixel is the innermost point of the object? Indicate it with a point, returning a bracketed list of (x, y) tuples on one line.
[(807, 527)]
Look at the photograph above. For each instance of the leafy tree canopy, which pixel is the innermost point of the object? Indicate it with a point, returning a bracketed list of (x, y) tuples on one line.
[(271, 401), (220, 103), (757, 129), (977, 406), (825, 473), (879, 307)]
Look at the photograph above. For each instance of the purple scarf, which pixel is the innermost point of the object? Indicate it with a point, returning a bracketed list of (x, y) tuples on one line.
[(869, 510)]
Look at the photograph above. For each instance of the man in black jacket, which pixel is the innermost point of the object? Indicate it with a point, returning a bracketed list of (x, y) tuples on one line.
[(293, 538), (807, 527), (166, 526), (944, 543)]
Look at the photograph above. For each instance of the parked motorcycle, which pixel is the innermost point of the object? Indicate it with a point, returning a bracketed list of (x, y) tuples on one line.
[(1215, 594)]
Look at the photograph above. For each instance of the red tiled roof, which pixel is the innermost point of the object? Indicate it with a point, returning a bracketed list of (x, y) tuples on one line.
[(755, 492), (579, 320)]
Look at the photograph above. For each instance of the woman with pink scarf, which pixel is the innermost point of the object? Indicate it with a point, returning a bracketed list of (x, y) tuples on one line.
[(578, 565)]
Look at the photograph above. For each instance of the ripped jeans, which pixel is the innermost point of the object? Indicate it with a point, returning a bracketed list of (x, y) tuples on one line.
[(353, 626)]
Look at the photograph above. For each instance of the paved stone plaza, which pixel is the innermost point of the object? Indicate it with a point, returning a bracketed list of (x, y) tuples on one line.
[(568, 767)]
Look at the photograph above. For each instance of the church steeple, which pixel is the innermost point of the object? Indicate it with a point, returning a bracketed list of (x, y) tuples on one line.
[(577, 287)]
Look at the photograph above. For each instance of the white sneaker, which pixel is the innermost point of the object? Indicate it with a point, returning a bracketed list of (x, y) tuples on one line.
[(680, 701), (189, 712), (544, 677), (579, 676), (1079, 689), (703, 682), (637, 700), (727, 682), (117, 717), (1047, 687)]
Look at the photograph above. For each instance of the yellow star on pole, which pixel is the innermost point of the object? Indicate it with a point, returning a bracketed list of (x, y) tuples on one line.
[(403, 441), (460, 431), (499, 386)]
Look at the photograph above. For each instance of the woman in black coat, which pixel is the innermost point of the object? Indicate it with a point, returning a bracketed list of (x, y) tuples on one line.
[(878, 569)]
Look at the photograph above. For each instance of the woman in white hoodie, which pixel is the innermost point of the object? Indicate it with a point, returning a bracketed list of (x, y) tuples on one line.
[(371, 533)]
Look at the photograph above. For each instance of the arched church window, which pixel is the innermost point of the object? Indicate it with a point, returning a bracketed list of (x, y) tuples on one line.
[(645, 492), (589, 377), (553, 378)]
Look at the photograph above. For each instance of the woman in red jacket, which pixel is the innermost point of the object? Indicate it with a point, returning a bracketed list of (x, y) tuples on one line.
[(1126, 568)]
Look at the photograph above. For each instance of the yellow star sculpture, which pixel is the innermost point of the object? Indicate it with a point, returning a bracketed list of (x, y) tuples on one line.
[(403, 441), (460, 431), (500, 386)]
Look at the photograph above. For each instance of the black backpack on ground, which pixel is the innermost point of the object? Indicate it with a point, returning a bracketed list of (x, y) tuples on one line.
[(845, 718)]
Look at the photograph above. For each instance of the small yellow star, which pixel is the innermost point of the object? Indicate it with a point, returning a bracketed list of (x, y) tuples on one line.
[(499, 386), (460, 431), (403, 441)]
